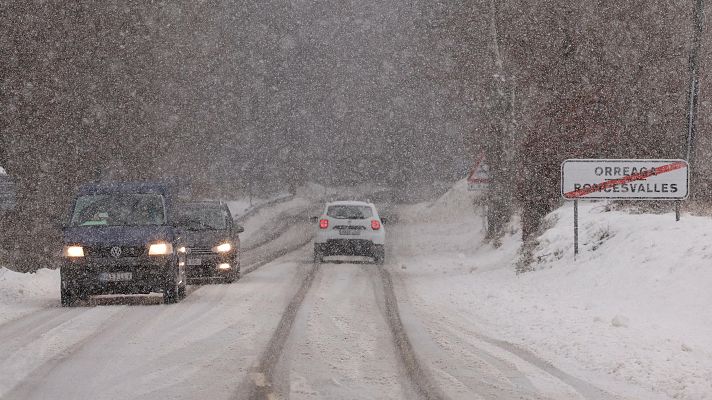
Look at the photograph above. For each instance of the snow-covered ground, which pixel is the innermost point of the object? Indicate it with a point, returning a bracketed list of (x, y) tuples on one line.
[(21, 294), (340, 347), (631, 315), (628, 319), (242, 207)]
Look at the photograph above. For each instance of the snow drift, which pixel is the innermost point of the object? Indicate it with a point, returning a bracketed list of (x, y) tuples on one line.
[(22, 293), (631, 314)]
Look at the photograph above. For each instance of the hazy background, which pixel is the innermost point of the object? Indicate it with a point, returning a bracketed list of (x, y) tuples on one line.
[(233, 97)]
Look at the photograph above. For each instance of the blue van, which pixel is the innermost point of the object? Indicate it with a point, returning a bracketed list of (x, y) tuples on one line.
[(121, 239)]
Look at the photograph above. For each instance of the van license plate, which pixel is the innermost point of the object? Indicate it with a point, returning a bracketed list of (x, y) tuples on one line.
[(115, 276), (195, 261), (351, 232)]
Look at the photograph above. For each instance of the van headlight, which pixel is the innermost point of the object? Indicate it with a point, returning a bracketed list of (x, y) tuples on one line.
[(73, 251), (223, 248), (160, 249)]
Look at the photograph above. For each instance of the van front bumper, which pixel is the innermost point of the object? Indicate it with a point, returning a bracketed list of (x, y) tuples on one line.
[(123, 276)]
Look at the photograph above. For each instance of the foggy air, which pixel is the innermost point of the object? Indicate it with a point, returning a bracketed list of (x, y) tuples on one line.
[(332, 199)]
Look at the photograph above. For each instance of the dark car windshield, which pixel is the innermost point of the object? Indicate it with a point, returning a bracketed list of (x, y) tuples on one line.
[(202, 218), (349, 212), (124, 209)]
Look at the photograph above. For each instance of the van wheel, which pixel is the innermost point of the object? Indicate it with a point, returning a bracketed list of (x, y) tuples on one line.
[(70, 292), (171, 290), (67, 298), (181, 291)]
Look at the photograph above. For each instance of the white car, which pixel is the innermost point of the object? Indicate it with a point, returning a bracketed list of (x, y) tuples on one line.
[(350, 228)]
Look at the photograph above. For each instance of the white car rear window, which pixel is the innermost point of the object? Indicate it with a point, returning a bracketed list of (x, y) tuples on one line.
[(349, 212)]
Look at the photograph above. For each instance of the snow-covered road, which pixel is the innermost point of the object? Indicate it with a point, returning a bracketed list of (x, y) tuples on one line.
[(341, 343), (202, 347), (427, 325)]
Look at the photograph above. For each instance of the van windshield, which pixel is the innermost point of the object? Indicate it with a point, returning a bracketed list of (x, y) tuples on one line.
[(124, 209)]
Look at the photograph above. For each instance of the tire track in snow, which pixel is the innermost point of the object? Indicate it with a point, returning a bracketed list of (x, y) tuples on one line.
[(259, 383), (22, 388), (341, 346), (26, 328), (584, 388), (505, 357), (277, 230), (274, 255), (419, 377)]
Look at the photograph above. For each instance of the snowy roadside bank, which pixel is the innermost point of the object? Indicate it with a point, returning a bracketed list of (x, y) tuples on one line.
[(23, 293), (631, 315), (244, 208)]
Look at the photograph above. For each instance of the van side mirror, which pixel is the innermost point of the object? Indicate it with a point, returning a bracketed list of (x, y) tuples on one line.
[(239, 229), (384, 221)]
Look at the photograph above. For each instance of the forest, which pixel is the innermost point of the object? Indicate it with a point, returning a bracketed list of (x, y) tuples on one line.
[(259, 96)]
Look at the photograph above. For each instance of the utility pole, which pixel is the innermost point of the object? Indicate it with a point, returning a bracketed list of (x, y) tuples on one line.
[(694, 91), (499, 149)]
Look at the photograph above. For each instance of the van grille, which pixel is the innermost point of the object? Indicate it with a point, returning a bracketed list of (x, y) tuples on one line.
[(105, 251)]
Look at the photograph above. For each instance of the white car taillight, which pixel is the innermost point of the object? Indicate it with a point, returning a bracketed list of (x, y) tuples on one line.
[(375, 224)]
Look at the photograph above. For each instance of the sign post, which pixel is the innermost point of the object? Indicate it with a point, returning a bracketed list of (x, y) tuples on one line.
[(593, 179), (479, 181), (575, 228)]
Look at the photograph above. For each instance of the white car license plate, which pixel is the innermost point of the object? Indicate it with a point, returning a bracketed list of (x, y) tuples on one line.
[(115, 276), (350, 232), (195, 261)]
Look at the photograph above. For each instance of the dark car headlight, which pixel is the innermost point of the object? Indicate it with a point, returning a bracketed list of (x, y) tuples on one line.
[(223, 248)]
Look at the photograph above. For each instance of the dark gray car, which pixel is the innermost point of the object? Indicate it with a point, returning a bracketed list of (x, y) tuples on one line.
[(210, 242)]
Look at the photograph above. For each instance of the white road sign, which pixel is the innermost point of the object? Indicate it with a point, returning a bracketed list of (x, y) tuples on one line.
[(625, 179)]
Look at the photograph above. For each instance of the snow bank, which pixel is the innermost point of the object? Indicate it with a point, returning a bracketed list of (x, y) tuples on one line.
[(312, 191), (456, 204), (242, 207), (631, 314), (639, 295), (2, 171), (23, 293)]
